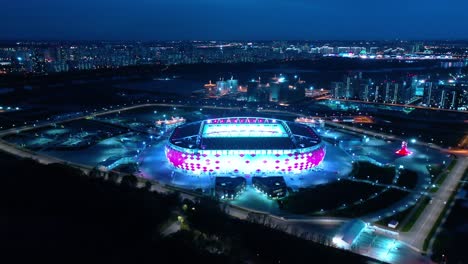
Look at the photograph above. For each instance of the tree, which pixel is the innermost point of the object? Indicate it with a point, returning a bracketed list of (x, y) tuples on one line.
[(129, 181)]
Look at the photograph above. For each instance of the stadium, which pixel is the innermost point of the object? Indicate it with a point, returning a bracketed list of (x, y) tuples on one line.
[(244, 146)]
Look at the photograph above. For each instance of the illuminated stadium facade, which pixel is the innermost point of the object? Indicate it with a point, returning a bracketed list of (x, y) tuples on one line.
[(244, 146)]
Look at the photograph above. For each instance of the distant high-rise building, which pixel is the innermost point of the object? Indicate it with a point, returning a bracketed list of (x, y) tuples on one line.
[(364, 94), (373, 50), (338, 89), (278, 88), (252, 90), (274, 92), (263, 93), (358, 50), (451, 97), (396, 93), (342, 49), (315, 50), (232, 84), (222, 87), (326, 50), (392, 92), (353, 86), (430, 90), (388, 92), (412, 90), (38, 62), (418, 47), (377, 94), (296, 91), (363, 88), (257, 92), (349, 91)]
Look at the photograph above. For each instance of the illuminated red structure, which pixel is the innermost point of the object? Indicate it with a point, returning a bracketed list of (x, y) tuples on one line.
[(403, 151)]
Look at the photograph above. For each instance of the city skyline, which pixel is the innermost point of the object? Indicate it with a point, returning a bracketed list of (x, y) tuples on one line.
[(240, 20)]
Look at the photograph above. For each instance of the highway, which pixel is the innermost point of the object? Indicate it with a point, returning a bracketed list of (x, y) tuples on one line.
[(421, 229), (94, 114), (52, 122), (399, 105)]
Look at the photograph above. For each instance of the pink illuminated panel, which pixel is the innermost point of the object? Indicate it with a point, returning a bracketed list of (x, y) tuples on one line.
[(245, 163), (198, 159)]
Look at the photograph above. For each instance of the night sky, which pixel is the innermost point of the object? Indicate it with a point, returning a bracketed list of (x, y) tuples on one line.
[(233, 19)]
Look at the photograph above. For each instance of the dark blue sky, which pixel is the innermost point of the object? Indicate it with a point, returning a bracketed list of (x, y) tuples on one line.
[(233, 19)]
